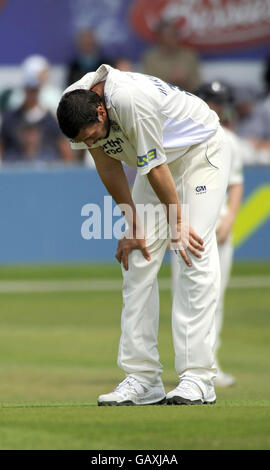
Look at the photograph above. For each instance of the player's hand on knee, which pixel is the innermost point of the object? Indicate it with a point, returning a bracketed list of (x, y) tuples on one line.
[(126, 245), (191, 242), (195, 244)]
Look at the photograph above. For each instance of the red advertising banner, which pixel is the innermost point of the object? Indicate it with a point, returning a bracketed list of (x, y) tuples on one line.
[(206, 24)]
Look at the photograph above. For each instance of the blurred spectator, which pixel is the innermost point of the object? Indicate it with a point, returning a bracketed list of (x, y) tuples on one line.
[(170, 61), (31, 132), (88, 57), (222, 99), (29, 137), (35, 68), (248, 122), (266, 76), (123, 64), (253, 118)]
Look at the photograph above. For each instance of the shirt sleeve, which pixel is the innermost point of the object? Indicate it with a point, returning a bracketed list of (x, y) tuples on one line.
[(142, 127)]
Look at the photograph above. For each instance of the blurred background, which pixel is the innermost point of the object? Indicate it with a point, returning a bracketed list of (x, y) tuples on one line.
[(47, 45)]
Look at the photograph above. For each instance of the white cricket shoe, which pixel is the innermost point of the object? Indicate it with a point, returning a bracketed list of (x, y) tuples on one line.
[(131, 392), (191, 392), (224, 380)]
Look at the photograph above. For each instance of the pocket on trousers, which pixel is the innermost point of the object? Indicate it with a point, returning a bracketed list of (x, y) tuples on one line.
[(212, 154), (203, 172)]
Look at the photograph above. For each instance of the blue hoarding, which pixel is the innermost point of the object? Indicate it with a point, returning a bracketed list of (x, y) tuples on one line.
[(42, 219)]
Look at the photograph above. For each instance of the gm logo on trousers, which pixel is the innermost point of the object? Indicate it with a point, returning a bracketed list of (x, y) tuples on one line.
[(200, 189)]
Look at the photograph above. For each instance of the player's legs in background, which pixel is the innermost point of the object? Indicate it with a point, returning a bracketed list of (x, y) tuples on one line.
[(202, 181), (225, 251), (174, 270)]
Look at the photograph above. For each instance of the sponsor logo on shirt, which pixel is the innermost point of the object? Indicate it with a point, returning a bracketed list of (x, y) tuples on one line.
[(200, 189), (115, 126), (145, 159), (113, 146)]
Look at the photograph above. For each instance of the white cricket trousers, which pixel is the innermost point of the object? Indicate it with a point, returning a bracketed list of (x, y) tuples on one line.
[(201, 178)]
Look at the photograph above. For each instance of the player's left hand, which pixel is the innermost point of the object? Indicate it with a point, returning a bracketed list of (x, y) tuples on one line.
[(191, 242)]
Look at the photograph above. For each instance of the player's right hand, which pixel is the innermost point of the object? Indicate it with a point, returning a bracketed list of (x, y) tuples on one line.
[(126, 245)]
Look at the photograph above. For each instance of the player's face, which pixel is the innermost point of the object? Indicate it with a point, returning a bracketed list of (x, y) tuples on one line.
[(91, 134)]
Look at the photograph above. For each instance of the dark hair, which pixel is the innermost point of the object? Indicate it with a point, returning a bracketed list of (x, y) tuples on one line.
[(76, 110)]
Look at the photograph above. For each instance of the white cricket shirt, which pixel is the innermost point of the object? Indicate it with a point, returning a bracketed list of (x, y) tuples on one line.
[(152, 122)]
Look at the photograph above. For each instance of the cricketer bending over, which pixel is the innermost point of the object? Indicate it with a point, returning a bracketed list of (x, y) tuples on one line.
[(179, 149)]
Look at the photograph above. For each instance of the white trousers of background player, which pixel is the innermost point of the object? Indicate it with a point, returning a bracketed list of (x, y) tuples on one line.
[(197, 291), (225, 251)]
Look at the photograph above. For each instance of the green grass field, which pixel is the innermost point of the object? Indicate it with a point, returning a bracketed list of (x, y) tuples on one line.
[(58, 353)]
